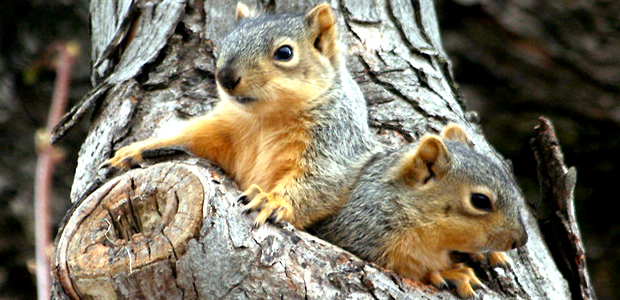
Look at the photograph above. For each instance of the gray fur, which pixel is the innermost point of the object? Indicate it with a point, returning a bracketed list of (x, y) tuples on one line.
[(375, 211), (341, 140), (475, 168), (340, 135), (254, 37)]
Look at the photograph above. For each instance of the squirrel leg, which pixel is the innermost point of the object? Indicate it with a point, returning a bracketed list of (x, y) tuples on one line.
[(461, 276), (205, 136), (270, 206)]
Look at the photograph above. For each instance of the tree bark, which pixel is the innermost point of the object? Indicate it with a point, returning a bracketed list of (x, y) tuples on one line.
[(556, 213), (174, 230)]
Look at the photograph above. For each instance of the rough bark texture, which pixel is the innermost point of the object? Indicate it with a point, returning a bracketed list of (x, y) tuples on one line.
[(556, 212), (157, 69)]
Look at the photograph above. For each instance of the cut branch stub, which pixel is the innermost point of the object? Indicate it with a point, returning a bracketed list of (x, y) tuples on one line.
[(133, 221)]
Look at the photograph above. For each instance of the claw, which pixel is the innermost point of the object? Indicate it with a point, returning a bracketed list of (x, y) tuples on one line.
[(499, 259), (463, 278), (243, 199), (131, 155), (437, 280), (271, 207), (495, 259), (274, 217), (256, 225), (256, 203)]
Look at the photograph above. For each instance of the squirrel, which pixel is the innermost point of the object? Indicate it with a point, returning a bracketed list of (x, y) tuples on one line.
[(411, 208), (290, 123), (291, 129)]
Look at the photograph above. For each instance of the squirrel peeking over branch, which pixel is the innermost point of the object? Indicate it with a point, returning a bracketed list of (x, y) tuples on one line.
[(410, 209), (291, 122)]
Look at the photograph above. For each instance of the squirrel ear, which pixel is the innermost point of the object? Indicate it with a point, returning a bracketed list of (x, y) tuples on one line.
[(454, 132), (322, 24), (242, 12), (429, 160)]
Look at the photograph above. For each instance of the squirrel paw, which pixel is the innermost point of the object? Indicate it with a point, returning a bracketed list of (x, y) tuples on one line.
[(128, 156), (499, 259), (270, 207), (496, 259), (459, 275)]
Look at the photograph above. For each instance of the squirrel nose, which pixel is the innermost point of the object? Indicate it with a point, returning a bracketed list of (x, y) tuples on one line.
[(227, 78)]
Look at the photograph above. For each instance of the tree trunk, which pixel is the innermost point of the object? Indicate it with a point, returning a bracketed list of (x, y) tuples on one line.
[(174, 229)]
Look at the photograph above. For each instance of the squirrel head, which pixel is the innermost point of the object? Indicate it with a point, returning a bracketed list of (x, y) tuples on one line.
[(278, 63), (459, 199)]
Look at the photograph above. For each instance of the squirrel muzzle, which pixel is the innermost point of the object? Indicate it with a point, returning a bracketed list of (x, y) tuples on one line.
[(228, 80), (521, 238), (510, 238), (517, 232)]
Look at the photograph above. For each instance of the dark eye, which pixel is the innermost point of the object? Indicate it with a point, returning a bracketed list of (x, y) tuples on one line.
[(481, 202), (284, 53)]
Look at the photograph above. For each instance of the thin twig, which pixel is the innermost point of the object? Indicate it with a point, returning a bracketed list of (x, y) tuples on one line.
[(48, 157)]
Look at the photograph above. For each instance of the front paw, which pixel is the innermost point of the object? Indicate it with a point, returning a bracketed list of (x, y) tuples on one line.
[(496, 259), (461, 276), (127, 156), (271, 207)]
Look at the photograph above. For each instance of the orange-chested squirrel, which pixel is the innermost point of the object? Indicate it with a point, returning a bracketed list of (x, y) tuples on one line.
[(410, 209), (291, 122), (291, 129)]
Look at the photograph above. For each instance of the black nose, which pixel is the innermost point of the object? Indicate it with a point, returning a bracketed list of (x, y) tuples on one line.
[(227, 78)]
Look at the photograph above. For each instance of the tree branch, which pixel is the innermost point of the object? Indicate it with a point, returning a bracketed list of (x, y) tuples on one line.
[(556, 211), (410, 91), (48, 157)]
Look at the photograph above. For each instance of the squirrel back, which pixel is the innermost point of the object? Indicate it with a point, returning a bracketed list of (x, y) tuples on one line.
[(411, 208)]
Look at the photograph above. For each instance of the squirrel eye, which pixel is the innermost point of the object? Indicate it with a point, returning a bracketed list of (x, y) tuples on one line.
[(481, 202), (284, 53)]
